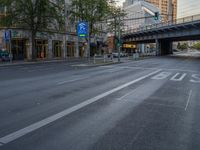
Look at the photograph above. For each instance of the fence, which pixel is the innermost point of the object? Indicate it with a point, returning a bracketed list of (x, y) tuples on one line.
[(164, 24)]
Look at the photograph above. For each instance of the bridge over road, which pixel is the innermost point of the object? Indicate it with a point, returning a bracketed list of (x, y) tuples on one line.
[(163, 34)]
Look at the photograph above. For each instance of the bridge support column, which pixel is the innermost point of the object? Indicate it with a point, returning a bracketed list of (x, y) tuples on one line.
[(163, 47), (158, 48)]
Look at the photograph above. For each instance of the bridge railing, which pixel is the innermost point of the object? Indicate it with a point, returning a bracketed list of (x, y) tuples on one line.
[(163, 24)]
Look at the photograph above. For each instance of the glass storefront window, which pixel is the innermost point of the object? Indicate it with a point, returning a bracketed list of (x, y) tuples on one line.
[(42, 48), (57, 49)]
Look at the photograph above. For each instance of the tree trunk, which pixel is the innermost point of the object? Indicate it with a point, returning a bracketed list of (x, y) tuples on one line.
[(34, 52)]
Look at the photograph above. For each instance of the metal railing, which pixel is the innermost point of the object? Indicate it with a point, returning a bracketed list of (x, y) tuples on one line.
[(189, 19)]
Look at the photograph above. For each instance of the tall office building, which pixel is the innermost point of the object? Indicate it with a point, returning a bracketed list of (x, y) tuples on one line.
[(188, 8), (168, 8)]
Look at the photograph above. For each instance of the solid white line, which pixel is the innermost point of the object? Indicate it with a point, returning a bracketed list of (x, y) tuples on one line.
[(15, 135), (189, 97)]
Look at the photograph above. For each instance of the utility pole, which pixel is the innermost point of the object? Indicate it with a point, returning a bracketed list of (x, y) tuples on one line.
[(65, 36), (88, 42), (119, 41), (115, 28)]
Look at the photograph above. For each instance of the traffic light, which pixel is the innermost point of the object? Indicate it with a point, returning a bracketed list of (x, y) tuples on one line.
[(156, 16)]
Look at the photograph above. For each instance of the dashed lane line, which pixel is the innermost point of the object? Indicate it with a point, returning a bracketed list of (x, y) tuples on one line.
[(188, 101)]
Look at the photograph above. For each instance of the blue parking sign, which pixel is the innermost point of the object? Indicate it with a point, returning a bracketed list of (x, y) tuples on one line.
[(7, 35), (82, 29)]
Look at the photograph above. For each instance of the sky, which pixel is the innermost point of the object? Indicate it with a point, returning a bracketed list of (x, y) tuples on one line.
[(120, 2)]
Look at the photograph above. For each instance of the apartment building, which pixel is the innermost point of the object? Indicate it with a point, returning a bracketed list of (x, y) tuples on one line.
[(168, 8)]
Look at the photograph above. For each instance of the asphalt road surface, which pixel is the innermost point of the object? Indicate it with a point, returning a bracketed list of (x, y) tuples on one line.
[(151, 104)]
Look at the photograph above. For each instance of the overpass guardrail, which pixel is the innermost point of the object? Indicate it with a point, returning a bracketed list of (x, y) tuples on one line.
[(189, 19)]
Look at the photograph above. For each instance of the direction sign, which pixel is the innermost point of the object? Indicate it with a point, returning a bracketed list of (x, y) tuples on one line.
[(82, 29), (7, 35)]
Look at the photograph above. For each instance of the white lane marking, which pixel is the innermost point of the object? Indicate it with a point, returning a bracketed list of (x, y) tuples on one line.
[(188, 101), (69, 81), (196, 78), (174, 78), (15, 135), (162, 75), (153, 68), (127, 94)]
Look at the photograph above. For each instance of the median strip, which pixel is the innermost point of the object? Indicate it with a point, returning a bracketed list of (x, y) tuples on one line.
[(15, 135)]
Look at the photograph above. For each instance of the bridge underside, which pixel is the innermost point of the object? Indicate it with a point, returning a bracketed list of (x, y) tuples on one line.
[(164, 47), (164, 36)]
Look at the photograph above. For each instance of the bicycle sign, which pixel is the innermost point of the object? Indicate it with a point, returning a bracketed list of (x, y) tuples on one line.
[(82, 29)]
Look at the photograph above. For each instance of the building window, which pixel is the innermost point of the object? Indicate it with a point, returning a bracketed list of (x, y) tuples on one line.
[(57, 49), (42, 48)]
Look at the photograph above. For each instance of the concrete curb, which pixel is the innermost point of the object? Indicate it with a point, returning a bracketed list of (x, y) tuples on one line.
[(95, 65), (40, 62)]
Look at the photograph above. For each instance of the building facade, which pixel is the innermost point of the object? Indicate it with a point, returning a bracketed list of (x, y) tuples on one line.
[(188, 8), (47, 45), (168, 8), (139, 15)]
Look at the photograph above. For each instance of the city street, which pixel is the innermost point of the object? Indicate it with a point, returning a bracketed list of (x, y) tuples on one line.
[(150, 104)]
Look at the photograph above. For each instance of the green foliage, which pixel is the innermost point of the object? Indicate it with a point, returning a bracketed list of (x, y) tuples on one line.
[(116, 16), (34, 15), (116, 23), (183, 46), (92, 11), (196, 46)]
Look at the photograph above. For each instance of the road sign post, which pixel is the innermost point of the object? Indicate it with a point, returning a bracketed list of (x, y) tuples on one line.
[(83, 32), (8, 38), (82, 29)]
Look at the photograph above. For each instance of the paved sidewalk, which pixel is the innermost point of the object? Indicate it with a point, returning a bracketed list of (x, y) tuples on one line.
[(82, 62), (15, 63)]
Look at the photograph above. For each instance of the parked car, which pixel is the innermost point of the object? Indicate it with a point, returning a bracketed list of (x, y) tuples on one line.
[(4, 56)]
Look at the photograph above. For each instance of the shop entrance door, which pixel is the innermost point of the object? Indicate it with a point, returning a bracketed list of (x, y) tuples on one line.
[(19, 49), (57, 48), (70, 49), (41, 48)]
